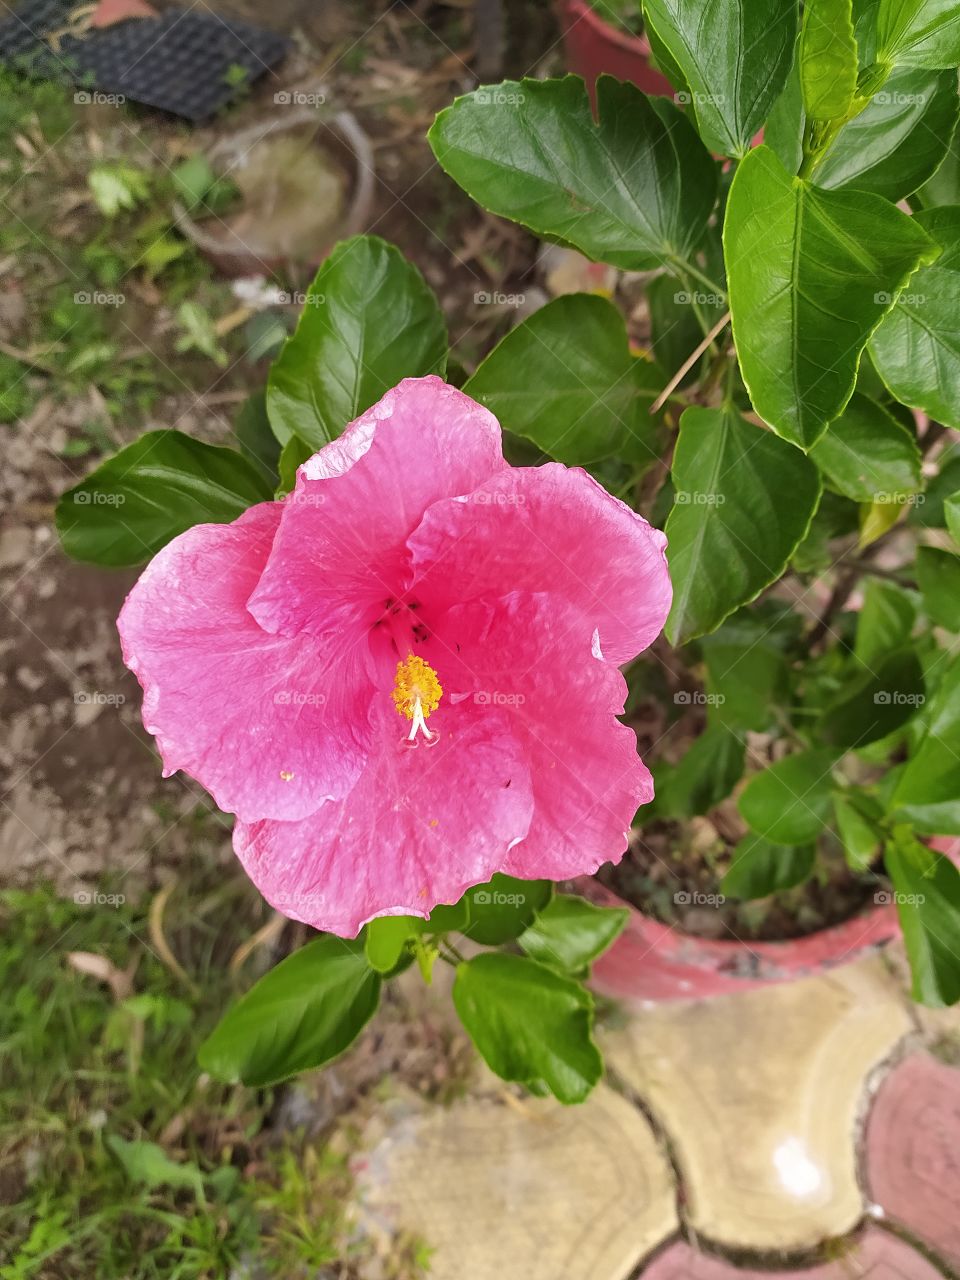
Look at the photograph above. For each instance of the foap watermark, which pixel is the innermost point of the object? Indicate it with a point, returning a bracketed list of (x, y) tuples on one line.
[(93, 898), (883, 299), (98, 498), (305, 498), (696, 299), (697, 698), (496, 898), (299, 98), (693, 898), (498, 98), (899, 499), (496, 498), (498, 698), (96, 698), (295, 298), (887, 98), (888, 897), (897, 698), (497, 299), (94, 98), (686, 99), (698, 498), (298, 698), (97, 298)]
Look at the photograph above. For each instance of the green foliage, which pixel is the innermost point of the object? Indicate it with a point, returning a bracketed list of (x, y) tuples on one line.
[(369, 321), (305, 1012), (157, 487)]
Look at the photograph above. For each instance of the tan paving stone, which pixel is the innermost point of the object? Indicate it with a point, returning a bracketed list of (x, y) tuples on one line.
[(760, 1093), (528, 1189)]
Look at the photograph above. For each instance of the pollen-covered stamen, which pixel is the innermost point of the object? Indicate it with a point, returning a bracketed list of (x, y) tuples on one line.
[(416, 692)]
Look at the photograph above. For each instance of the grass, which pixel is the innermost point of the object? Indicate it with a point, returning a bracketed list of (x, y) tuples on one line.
[(119, 1160)]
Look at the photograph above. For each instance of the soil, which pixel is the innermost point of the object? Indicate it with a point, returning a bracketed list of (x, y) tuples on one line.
[(672, 872)]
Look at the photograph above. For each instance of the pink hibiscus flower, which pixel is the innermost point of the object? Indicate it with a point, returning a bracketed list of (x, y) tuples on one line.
[(403, 677)]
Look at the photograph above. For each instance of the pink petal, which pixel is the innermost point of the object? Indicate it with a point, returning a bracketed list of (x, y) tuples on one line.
[(421, 826), (549, 529), (526, 656), (341, 550), (237, 708)]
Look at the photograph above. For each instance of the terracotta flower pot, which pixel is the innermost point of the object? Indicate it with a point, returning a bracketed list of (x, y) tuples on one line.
[(596, 48), (654, 961)]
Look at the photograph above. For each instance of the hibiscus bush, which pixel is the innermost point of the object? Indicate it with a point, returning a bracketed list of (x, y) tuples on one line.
[(389, 631)]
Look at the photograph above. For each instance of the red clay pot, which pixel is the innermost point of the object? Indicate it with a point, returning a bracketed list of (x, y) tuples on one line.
[(652, 961), (596, 48)]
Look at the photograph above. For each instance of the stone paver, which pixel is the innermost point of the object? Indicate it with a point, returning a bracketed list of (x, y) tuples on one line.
[(913, 1152), (760, 1094), (532, 1190), (877, 1255)]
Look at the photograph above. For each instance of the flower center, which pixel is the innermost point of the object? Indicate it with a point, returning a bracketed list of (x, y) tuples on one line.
[(416, 692)]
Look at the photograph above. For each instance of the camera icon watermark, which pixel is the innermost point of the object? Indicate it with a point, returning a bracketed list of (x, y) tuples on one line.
[(896, 698), (85, 697), (93, 898), (697, 698), (299, 698), (692, 898), (98, 498), (498, 698), (496, 898), (295, 298), (483, 298), (887, 898), (298, 98), (498, 98), (94, 98), (696, 498), (97, 298)]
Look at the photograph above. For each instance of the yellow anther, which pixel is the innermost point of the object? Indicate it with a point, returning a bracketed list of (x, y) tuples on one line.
[(416, 688)]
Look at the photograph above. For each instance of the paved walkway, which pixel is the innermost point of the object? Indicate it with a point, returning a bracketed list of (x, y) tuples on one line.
[(808, 1130)]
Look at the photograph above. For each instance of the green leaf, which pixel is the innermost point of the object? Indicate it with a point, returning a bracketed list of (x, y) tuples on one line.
[(867, 455), (199, 333), (569, 933), (148, 1165), (788, 803), (747, 668), (900, 138), (929, 909), (938, 577), (449, 917), (257, 442), (115, 187), (734, 57), (859, 836), (928, 793), (370, 320), (874, 702), (529, 1024), (919, 33), (929, 511), (293, 455), (759, 868), (156, 488), (305, 1012), (828, 59), (565, 379), (709, 770), (193, 178), (811, 274), (951, 512), (634, 190), (385, 940), (502, 908), (885, 621), (917, 348), (744, 500)]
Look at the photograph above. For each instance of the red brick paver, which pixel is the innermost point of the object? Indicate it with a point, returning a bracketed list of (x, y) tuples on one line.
[(913, 1152), (877, 1255)]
